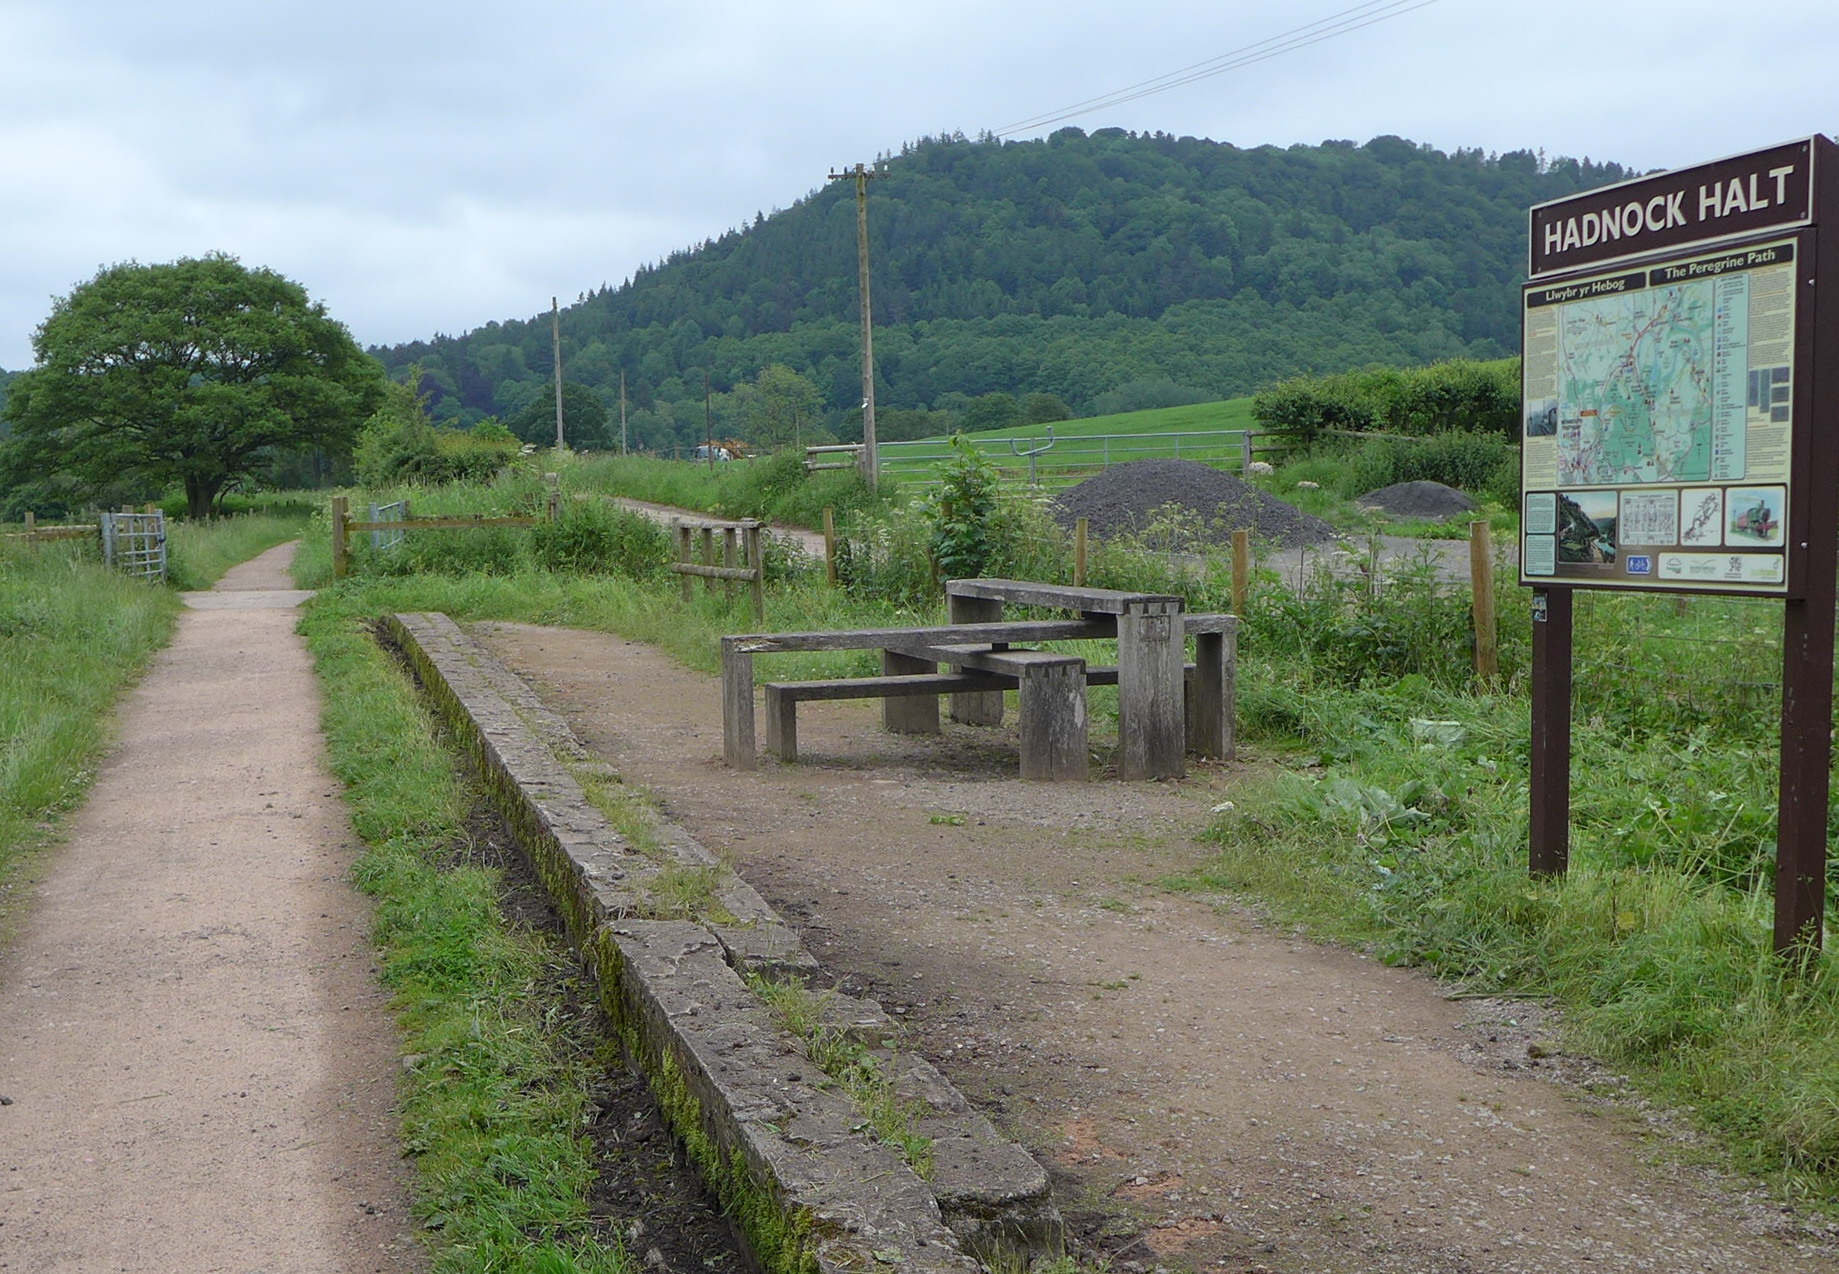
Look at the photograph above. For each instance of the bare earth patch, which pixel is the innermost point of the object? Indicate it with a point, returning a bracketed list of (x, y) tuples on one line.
[(1209, 1092)]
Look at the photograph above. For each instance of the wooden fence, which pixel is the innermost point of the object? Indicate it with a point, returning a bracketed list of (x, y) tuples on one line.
[(740, 541), (343, 527), (134, 543)]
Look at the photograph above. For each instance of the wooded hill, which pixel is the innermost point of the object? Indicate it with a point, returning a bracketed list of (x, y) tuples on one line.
[(1115, 270)]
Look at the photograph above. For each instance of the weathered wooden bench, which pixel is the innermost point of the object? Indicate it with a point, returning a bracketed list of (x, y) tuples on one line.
[(1163, 701)]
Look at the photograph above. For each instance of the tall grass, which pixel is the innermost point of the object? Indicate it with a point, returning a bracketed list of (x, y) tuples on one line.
[(498, 1093), (72, 636)]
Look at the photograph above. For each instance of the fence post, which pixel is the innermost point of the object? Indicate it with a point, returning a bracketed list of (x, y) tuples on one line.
[(683, 558), (830, 545), (108, 539), (1241, 569), (756, 562), (555, 496), (708, 559), (31, 526), (1481, 588), (1245, 451), (341, 552), (728, 562), (1079, 551)]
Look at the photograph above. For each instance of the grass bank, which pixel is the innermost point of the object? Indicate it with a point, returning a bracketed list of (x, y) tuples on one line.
[(497, 1097)]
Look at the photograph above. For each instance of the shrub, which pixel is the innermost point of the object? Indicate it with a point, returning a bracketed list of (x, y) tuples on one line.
[(1483, 464), (593, 538)]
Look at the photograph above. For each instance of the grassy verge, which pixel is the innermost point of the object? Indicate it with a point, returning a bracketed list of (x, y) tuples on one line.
[(72, 637), (498, 1094)]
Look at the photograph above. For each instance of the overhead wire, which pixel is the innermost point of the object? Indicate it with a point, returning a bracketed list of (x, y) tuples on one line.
[(1351, 19)]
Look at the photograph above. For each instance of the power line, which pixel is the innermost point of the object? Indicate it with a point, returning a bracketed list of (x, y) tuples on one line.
[(1353, 19)]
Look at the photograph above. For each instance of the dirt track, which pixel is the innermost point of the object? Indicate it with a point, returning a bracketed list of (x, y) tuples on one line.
[(1210, 1093), (198, 1062)]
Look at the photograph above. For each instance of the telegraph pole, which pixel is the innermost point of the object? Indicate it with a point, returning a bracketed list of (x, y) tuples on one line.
[(622, 413), (861, 173), (555, 321), (708, 420)]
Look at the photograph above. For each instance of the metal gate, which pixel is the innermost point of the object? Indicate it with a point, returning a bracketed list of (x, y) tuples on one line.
[(135, 543)]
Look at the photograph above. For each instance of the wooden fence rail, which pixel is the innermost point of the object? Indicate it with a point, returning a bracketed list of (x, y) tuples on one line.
[(740, 542), (344, 527)]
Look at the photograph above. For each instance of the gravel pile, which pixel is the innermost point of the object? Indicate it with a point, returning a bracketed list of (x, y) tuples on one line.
[(1431, 501), (1125, 497)]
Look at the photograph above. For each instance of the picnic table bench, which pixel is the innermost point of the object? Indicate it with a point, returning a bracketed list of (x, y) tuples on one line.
[(1164, 703)]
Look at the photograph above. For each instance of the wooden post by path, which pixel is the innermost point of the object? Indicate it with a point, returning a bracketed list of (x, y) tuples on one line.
[(1080, 528), (1241, 569), (708, 559), (1481, 587), (829, 545), (756, 562), (341, 550), (684, 559), (728, 561), (555, 496)]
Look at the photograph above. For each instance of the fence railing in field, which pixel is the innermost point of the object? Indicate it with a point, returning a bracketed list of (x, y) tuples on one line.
[(395, 511), (343, 526), (135, 543), (35, 533), (1067, 461)]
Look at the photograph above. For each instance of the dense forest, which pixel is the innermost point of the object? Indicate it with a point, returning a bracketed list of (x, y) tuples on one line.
[(1112, 270)]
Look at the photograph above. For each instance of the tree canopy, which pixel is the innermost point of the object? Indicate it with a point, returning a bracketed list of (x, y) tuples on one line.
[(191, 373), (584, 418)]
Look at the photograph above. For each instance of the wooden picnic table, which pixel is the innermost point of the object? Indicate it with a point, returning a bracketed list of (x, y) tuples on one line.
[(1162, 702)]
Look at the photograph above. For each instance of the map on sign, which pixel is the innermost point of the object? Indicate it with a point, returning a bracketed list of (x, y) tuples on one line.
[(1637, 387)]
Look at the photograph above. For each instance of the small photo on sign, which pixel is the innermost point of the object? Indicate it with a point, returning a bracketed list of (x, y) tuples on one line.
[(1753, 516), (1542, 418), (1649, 517), (1701, 517), (1587, 527)]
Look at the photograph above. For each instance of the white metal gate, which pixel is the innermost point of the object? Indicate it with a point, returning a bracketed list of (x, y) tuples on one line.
[(135, 543)]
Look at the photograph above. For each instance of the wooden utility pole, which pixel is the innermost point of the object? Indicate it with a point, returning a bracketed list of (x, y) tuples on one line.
[(555, 321), (871, 467), (708, 421), (622, 414)]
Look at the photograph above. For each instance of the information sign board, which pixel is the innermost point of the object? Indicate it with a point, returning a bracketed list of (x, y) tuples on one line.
[(1660, 388)]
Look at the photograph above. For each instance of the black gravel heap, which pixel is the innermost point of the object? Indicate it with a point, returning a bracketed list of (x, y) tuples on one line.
[(1431, 501), (1124, 497)]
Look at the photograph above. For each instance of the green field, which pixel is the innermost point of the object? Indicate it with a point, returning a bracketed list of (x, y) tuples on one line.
[(1207, 432)]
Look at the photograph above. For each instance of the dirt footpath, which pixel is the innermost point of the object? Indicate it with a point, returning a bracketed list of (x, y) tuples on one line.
[(197, 1064), (1209, 1092)]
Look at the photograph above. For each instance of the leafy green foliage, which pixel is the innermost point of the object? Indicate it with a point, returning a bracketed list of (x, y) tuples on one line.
[(584, 418), (192, 373), (593, 538), (1459, 396), (1131, 270), (400, 445), (963, 534), (1485, 465)]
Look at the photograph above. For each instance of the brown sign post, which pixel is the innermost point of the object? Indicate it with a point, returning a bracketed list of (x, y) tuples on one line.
[(1678, 436)]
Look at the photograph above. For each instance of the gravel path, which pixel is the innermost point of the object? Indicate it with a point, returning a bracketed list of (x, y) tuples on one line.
[(198, 1063)]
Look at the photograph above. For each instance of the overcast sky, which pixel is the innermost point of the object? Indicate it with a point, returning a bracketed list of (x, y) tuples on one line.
[(429, 167)]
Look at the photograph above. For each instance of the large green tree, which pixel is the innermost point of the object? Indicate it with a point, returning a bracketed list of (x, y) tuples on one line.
[(584, 418), (194, 372)]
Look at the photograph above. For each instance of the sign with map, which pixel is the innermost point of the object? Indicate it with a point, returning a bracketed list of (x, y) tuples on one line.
[(1658, 423)]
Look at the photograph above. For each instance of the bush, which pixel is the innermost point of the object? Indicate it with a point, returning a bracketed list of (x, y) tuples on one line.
[(1482, 464), (593, 538), (1458, 396)]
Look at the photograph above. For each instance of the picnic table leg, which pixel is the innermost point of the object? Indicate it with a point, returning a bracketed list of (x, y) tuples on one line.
[(1150, 657), (781, 723), (1210, 697), (984, 707), (737, 705), (915, 714), (1054, 726)]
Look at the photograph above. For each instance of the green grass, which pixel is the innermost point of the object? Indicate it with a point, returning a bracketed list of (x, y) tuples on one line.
[(198, 553), (497, 1092), (73, 636), (1229, 413)]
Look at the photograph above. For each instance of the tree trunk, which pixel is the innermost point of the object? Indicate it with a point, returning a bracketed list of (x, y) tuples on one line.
[(199, 493)]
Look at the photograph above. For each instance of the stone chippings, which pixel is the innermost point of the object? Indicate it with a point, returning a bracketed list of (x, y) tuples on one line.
[(1428, 500), (736, 1086), (1125, 499)]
